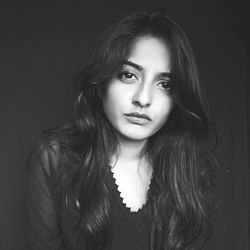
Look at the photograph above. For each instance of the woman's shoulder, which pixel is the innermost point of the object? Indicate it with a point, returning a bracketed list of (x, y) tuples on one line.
[(53, 146), (64, 135)]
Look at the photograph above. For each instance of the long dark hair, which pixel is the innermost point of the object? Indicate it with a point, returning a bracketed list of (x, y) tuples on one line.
[(180, 195)]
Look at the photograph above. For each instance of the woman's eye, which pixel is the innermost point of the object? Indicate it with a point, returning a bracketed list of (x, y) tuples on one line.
[(166, 85), (127, 76)]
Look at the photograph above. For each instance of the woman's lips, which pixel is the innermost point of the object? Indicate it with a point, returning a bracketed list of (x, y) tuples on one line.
[(137, 118)]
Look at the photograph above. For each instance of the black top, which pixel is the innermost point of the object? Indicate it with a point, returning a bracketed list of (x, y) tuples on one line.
[(50, 225), (130, 230)]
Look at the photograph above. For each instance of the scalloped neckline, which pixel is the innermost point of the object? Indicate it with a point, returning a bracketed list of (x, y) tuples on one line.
[(125, 200)]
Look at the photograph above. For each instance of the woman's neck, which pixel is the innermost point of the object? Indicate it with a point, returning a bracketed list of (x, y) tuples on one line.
[(131, 150), (130, 154)]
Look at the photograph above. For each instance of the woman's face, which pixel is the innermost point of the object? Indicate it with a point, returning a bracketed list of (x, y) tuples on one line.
[(137, 101)]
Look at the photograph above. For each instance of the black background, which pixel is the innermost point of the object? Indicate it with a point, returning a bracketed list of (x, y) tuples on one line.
[(42, 46)]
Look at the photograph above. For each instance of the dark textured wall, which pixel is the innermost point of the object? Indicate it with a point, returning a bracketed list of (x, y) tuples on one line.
[(43, 44)]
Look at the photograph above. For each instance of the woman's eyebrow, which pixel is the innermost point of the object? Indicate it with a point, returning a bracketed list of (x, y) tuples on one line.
[(140, 68), (134, 65), (167, 74)]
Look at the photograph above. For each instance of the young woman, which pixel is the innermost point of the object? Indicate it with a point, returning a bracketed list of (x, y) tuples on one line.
[(133, 169)]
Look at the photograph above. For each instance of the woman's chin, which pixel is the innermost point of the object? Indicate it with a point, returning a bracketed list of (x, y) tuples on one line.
[(133, 136)]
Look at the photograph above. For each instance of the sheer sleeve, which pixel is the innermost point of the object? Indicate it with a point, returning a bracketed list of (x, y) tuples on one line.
[(43, 227)]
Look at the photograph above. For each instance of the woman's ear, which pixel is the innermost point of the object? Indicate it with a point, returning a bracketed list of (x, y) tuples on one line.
[(100, 91)]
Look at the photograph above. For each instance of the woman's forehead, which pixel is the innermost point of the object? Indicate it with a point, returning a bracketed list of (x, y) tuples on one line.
[(150, 52)]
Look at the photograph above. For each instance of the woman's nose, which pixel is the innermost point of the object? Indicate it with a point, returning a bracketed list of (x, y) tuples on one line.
[(142, 96)]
